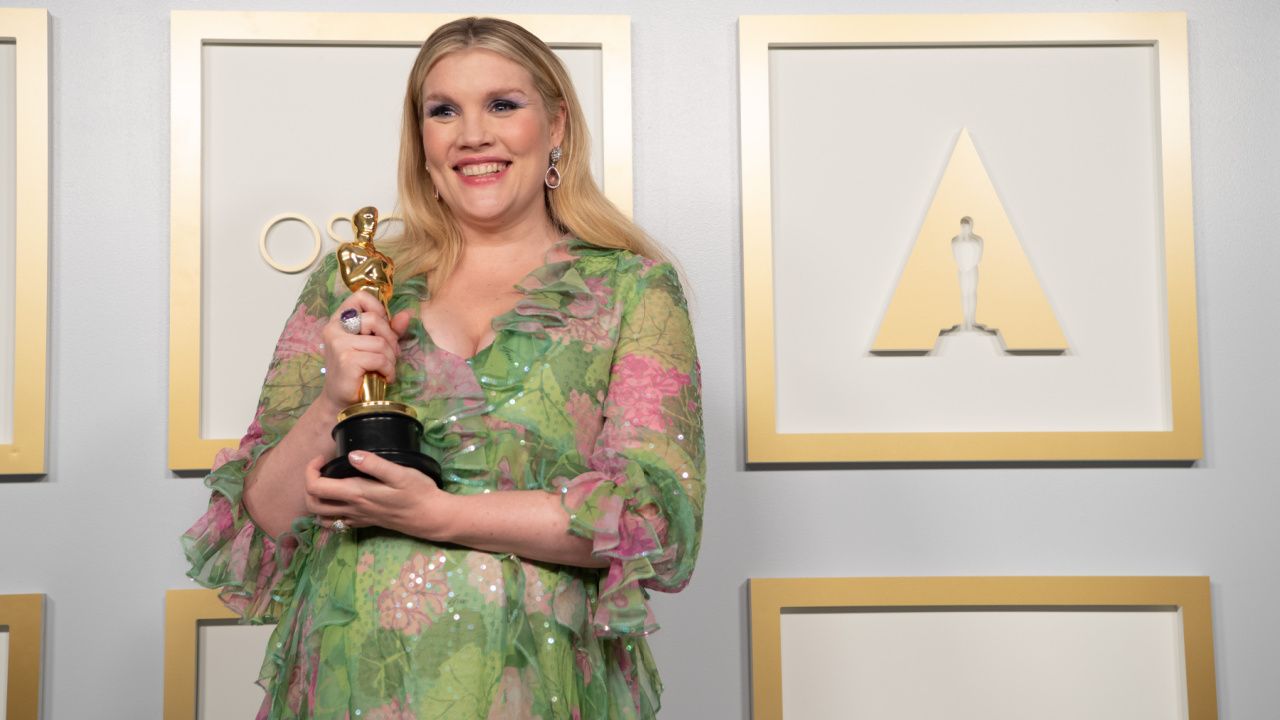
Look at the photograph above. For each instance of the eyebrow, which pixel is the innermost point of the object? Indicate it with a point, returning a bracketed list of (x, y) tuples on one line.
[(440, 97)]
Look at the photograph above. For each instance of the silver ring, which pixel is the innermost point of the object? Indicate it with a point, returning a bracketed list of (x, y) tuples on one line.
[(339, 526), (350, 320)]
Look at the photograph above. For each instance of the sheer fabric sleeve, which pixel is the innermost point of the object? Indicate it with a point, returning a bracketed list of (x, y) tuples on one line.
[(641, 501), (251, 570)]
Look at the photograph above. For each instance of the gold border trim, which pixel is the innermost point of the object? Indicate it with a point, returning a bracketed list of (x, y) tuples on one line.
[(29, 29), (24, 616), (192, 30), (770, 597), (1167, 33), (184, 610)]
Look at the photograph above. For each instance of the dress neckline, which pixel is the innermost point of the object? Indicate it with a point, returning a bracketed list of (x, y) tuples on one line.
[(545, 279)]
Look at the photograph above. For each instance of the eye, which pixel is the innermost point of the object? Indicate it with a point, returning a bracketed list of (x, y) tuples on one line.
[(441, 110), (504, 106)]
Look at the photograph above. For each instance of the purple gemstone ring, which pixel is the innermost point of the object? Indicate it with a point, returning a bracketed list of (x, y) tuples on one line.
[(350, 319)]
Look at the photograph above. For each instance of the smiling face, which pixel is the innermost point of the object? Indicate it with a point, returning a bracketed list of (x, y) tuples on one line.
[(487, 135)]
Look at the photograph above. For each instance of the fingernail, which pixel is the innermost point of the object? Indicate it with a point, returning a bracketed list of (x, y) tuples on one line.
[(356, 457)]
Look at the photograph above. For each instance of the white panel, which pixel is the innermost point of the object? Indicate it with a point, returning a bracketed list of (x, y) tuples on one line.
[(584, 66), (229, 657), (8, 233), (1069, 137), (4, 672), (306, 129), (985, 665)]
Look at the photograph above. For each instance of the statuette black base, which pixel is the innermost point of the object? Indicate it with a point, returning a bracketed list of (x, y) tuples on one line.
[(391, 435)]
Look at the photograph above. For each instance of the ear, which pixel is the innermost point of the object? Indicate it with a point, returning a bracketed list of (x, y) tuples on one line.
[(557, 126)]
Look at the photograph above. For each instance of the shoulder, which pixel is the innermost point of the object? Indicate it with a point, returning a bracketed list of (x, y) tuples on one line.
[(322, 285), (626, 272)]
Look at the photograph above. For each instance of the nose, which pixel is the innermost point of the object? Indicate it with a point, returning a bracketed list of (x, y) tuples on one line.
[(475, 131)]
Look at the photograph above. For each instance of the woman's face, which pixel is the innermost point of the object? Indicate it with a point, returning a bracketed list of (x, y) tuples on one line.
[(487, 138)]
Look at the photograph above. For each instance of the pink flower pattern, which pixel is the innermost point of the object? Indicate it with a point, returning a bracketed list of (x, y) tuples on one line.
[(391, 711), (584, 416), (587, 322), (640, 384), (416, 598), (537, 597), (514, 698), (484, 573), (301, 336)]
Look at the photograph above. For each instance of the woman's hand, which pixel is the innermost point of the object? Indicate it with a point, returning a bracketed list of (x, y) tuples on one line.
[(348, 357), (401, 499), (530, 523)]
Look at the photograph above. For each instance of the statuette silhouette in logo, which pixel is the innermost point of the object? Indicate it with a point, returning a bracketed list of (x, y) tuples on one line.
[(941, 290)]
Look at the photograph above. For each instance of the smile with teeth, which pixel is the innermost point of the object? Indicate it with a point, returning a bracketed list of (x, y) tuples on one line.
[(477, 169)]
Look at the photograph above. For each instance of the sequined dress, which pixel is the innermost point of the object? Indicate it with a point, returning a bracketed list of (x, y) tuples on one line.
[(590, 390)]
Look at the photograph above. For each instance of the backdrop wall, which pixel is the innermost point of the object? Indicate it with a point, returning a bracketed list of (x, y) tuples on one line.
[(99, 534)]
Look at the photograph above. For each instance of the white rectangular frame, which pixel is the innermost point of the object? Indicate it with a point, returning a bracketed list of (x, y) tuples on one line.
[(1167, 33), (29, 30), (771, 597), (191, 31)]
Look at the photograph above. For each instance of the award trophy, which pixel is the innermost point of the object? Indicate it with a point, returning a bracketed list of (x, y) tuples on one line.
[(374, 423)]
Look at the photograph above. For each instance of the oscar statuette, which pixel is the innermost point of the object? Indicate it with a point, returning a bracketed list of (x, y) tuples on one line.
[(374, 423)]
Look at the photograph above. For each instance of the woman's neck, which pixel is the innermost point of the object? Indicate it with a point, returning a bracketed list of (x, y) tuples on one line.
[(536, 230), (516, 246)]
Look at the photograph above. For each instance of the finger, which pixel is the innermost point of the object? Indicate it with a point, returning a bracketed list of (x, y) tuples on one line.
[(328, 510), (313, 467), (325, 496), (310, 474), (376, 325), (364, 302), (382, 469), (364, 343), (356, 361), (324, 493), (347, 523), (400, 323), (368, 344), (367, 308)]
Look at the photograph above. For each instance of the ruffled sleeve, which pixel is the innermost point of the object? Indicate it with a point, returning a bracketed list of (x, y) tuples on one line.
[(641, 501), (227, 551)]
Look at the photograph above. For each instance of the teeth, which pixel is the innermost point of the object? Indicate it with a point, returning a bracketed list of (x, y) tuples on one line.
[(482, 169)]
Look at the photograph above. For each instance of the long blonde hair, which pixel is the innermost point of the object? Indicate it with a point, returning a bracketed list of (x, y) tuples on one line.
[(431, 241)]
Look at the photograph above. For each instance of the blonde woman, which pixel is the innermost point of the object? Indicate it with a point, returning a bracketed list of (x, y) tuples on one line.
[(546, 343)]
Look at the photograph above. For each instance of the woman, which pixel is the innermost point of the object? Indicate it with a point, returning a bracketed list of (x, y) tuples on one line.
[(548, 349)]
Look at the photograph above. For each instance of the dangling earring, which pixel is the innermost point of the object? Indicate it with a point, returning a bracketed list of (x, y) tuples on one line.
[(552, 178), (434, 188)]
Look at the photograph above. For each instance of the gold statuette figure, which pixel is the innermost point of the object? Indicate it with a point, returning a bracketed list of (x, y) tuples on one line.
[(374, 423), (364, 269)]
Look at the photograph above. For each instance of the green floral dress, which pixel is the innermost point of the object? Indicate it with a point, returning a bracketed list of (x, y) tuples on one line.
[(589, 390)]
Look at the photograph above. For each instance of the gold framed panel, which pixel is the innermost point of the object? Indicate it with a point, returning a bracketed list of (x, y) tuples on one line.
[(28, 30), (191, 31), (23, 615), (184, 611), (1167, 34), (771, 597)]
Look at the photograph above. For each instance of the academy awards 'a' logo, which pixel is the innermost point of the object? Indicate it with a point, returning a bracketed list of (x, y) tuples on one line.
[(968, 272)]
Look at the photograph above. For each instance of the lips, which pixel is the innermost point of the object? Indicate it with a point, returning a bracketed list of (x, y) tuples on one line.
[(482, 169)]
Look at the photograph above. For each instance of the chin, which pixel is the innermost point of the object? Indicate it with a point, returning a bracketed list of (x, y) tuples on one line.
[(489, 211)]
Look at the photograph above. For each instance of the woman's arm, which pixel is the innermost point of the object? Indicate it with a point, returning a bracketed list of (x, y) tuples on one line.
[(528, 523), (275, 488)]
